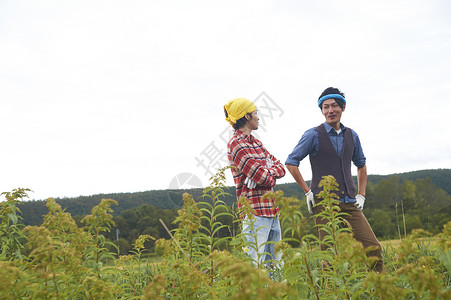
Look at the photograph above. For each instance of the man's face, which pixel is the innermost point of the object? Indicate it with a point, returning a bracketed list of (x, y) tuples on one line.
[(253, 122), (332, 112)]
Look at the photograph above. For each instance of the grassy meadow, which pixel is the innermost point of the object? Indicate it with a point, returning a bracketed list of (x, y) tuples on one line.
[(61, 260)]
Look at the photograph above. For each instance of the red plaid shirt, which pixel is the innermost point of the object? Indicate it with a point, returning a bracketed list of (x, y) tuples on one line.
[(249, 156)]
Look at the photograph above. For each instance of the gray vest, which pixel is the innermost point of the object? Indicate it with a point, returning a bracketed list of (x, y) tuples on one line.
[(327, 162)]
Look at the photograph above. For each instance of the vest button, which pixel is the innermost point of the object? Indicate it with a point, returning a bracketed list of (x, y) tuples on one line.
[(342, 192)]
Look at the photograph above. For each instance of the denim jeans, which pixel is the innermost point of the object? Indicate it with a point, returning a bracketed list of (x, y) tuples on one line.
[(264, 229)]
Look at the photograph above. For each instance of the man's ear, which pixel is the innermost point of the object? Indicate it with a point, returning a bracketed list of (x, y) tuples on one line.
[(344, 106), (248, 116)]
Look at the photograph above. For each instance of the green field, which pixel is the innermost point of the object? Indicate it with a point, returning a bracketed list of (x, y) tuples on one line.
[(62, 260)]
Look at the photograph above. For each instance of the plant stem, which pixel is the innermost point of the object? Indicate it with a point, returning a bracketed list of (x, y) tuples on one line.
[(189, 261), (311, 278)]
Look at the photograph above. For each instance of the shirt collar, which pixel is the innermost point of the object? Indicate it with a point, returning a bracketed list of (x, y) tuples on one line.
[(329, 128), (240, 133)]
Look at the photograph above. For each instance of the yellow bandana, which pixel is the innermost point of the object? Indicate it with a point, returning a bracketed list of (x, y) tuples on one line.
[(237, 108)]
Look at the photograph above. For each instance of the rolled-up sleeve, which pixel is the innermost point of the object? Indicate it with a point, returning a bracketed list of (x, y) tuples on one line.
[(307, 145), (358, 158), (277, 169)]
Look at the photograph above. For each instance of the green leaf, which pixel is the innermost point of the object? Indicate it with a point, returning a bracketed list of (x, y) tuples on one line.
[(12, 217), (445, 259)]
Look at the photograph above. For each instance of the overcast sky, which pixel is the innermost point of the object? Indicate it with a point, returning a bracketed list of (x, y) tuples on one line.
[(127, 96)]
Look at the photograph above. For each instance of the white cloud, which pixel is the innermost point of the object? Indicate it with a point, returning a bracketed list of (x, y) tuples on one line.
[(113, 96)]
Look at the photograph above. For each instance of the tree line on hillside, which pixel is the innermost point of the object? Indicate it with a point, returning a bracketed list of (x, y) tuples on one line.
[(394, 208), (440, 177), (33, 211)]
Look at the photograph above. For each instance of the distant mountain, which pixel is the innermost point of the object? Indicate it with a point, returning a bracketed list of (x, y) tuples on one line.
[(32, 211)]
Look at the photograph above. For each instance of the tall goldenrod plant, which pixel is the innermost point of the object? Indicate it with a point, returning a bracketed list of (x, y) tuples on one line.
[(11, 236), (97, 223)]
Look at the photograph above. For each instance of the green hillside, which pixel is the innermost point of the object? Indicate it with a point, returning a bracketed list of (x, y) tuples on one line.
[(32, 211)]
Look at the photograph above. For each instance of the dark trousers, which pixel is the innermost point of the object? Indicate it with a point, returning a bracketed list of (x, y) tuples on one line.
[(361, 230)]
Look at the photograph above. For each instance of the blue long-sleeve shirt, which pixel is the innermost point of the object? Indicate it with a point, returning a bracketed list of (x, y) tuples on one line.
[(309, 145)]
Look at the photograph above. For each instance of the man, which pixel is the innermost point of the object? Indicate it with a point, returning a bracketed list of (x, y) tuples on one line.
[(255, 174), (331, 148)]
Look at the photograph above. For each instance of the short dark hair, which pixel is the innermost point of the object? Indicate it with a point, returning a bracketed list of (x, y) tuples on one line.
[(240, 123), (332, 90)]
